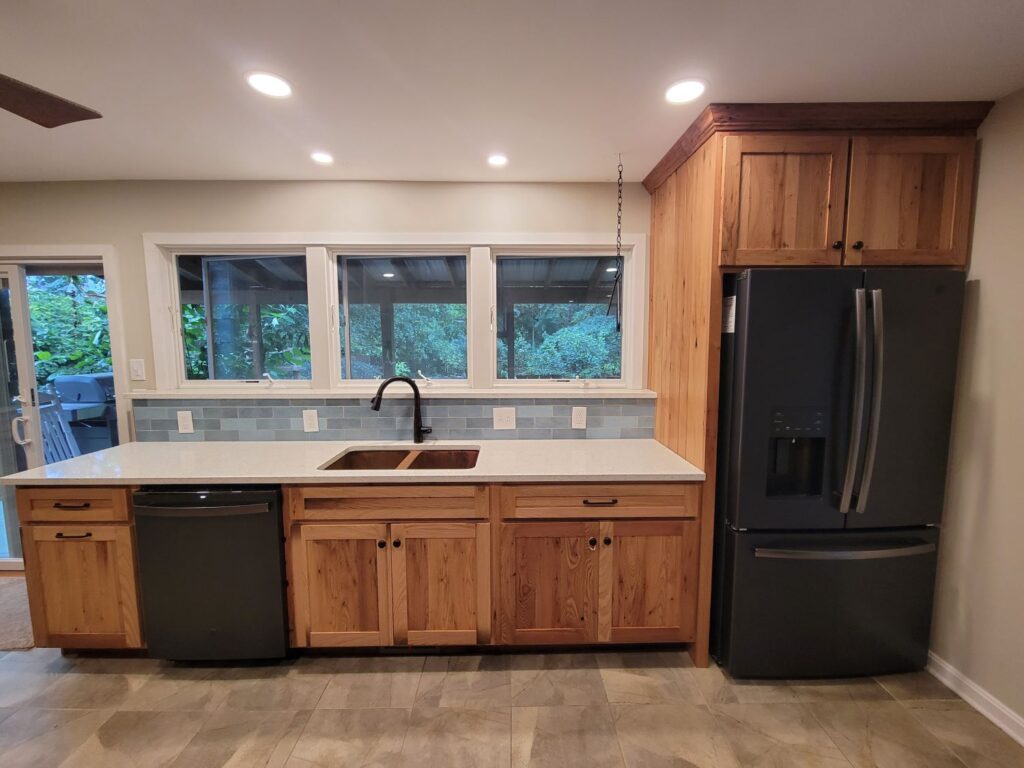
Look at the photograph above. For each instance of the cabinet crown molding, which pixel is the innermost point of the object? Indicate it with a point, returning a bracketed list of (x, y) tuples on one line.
[(890, 117)]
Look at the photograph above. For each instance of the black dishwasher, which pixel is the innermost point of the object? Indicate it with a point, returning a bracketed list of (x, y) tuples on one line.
[(211, 572)]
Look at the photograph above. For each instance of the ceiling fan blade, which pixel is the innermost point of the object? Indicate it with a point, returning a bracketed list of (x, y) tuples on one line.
[(40, 107)]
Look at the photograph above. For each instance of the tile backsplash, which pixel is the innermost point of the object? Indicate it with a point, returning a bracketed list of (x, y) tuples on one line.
[(352, 419)]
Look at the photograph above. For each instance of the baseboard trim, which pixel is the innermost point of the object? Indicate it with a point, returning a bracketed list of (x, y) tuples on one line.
[(983, 701)]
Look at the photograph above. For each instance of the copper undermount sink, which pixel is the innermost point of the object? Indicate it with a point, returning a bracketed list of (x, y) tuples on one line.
[(400, 458)]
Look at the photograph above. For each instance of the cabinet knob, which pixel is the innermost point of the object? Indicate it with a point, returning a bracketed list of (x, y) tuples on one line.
[(858, 245), (837, 245), (607, 541), (397, 543), (381, 544), (592, 542)]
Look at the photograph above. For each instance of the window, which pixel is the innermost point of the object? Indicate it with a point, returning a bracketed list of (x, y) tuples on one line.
[(403, 315), (244, 317), (556, 318)]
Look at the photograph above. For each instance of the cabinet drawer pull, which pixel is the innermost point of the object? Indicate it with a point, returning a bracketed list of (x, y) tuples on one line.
[(62, 535), (62, 505), (592, 543), (604, 503)]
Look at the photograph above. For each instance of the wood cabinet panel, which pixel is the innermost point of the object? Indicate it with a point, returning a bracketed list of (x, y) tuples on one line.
[(592, 500), (82, 586), (440, 575), (80, 505), (341, 590), (385, 502), (783, 199), (548, 582), (910, 200), (648, 581)]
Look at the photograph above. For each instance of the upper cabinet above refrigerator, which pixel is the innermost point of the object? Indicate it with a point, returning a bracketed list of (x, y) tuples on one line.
[(825, 200)]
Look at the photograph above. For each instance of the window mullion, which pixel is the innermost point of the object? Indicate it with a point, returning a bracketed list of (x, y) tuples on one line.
[(318, 295), (480, 340)]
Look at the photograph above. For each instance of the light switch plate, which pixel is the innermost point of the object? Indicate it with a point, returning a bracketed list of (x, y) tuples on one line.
[(310, 422), (504, 418), (185, 422), (579, 417), (137, 369)]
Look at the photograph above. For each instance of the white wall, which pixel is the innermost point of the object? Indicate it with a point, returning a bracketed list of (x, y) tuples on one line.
[(979, 620), (118, 213)]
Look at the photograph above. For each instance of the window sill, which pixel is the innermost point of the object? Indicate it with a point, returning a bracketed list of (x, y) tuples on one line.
[(427, 391)]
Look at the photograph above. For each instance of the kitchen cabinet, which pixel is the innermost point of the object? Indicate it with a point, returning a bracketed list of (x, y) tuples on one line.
[(548, 582), (440, 574), (82, 585), (399, 580), (910, 200), (340, 585), (783, 199)]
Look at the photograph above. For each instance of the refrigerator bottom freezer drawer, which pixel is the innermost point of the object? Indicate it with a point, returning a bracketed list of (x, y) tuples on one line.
[(827, 604)]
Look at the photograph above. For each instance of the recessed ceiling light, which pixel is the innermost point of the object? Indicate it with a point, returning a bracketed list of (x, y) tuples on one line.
[(388, 274), (612, 269), (497, 160), (321, 157), (269, 85), (684, 91)]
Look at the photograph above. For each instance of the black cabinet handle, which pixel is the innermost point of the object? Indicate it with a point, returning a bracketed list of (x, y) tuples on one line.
[(397, 543), (62, 505), (592, 543), (381, 544), (605, 503), (607, 541), (858, 245), (836, 245), (61, 535)]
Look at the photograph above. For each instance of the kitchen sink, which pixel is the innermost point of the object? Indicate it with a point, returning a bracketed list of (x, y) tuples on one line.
[(401, 458)]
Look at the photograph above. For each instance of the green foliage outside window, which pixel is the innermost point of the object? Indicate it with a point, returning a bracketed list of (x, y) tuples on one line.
[(563, 341), (70, 330)]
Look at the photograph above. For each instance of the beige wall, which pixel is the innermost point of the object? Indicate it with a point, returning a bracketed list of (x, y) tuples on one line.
[(979, 617), (118, 213)]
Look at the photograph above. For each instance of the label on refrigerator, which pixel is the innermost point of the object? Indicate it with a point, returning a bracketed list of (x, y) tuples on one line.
[(729, 314)]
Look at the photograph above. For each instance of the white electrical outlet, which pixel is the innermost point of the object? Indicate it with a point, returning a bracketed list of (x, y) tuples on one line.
[(310, 422), (185, 422), (504, 418), (579, 417), (137, 369)]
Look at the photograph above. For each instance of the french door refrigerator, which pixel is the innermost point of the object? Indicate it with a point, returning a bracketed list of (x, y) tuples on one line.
[(835, 412)]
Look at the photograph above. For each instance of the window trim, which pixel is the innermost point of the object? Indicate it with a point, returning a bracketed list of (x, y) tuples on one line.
[(322, 249)]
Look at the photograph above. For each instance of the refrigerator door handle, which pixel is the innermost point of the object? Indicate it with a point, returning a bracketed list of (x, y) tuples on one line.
[(860, 383), (875, 553), (876, 398)]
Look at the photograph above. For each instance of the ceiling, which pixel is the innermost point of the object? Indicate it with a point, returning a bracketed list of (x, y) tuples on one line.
[(419, 90)]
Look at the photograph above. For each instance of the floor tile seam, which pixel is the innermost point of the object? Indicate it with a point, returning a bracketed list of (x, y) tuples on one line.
[(913, 713)]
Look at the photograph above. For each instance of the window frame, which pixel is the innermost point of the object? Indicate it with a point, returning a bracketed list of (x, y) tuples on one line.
[(322, 251)]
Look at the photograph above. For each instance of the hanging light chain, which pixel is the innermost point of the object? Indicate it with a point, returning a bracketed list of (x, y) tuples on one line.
[(618, 220)]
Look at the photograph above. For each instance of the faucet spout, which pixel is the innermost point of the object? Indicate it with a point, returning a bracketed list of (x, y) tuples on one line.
[(418, 430)]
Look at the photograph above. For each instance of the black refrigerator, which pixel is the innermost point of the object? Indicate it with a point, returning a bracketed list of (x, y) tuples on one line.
[(835, 411)]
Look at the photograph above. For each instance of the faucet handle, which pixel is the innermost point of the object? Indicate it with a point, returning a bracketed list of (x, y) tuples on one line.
[(426, 430)]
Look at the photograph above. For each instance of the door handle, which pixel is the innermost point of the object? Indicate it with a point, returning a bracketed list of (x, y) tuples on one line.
[(860, 382), (17, 434), (875, 420), (875, 553)]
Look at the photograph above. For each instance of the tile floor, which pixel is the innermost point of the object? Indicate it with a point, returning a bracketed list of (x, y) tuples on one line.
[(633, 710)]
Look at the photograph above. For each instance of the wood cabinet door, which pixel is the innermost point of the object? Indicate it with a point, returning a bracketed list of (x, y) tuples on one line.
[(341, 592), (441, 583), (783, 197), (647, 589), (82, 586), (548, 582), (910, 200)]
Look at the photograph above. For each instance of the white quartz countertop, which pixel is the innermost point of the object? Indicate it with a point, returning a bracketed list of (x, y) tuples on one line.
[(513, 461)]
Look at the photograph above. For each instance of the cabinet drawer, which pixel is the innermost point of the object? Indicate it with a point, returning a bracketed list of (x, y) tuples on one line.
[(386, 502), (72, 505), (593, 501)]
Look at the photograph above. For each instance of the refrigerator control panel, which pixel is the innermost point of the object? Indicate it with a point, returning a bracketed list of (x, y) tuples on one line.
[(798, 422)]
